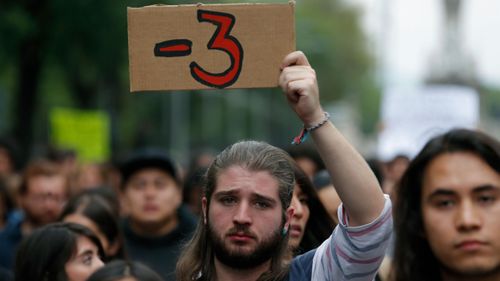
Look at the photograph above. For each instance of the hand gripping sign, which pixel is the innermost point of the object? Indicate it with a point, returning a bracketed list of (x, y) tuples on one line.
[(208, 46)]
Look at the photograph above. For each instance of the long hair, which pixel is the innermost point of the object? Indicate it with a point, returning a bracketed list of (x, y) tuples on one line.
[(319, 225), (413, 258), (197, 260), (99, 210), (42, 256)]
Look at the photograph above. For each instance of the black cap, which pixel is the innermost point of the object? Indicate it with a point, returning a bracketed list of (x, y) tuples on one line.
[(147, 158)]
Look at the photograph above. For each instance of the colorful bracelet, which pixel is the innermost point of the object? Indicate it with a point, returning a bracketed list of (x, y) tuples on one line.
[(302, 137)]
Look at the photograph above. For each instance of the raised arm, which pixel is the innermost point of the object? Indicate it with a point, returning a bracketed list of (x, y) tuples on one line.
[(353, 179)]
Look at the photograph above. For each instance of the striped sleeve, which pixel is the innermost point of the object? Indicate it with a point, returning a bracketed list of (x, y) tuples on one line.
[(354, 253)]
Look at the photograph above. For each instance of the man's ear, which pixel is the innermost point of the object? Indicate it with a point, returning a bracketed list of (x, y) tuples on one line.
[(204, 209)]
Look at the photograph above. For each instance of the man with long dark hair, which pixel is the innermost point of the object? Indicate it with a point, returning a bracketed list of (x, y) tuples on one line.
[(243, 232), (447, 214)]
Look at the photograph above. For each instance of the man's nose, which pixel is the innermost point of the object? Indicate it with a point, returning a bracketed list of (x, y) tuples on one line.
[(150, 190), (468, 217), (243, 214), (52, 202)]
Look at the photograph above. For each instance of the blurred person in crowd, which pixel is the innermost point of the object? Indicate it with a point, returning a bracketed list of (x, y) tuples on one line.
[(112, 175), (244, 231), (193, 179), (67, 159), (327, 194), (310, 224), (8, 166), (94, 211), (307, 158), (202, 158), (110, 195), (393, 170), (157, 222), (7, 158), (378, 169), (120, 270), (42, 195), (88, 176), (193, 189), (447, 215), (6, 204), (58, 252)]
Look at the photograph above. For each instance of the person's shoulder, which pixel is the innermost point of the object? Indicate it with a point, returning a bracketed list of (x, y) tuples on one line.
[(301, 266), (12, 229)]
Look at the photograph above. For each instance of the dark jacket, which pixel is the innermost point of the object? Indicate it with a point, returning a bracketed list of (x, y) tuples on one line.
[(160, 253)]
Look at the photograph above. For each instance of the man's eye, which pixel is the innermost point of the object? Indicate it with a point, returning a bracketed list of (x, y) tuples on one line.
[(445, 203), (486, 199), (138, 185), (262, 204), (228, 200), (161, 183)]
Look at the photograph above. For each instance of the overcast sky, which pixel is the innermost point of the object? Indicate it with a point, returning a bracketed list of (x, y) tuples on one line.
[(405, 33)]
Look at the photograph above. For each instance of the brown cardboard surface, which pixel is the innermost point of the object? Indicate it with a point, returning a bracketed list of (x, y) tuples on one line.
[(264, 32)]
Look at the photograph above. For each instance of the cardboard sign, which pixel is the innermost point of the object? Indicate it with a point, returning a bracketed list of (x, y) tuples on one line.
[(85, 131), (208, 46)]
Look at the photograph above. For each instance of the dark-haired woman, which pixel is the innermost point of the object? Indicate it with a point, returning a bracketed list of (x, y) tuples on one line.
[(58, 252), (311, 224), (94, 211)]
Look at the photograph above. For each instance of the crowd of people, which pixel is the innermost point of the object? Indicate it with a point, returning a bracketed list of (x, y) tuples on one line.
[(255, 212)]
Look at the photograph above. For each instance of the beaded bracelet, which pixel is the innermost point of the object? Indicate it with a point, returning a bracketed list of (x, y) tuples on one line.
[(302, 137)]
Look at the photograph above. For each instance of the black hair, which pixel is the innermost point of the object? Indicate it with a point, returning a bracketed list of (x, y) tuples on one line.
[(96, 207), (42, 256), (147, 158), (308, 152), (320, 225), (193, 186), (8, 144), (119, 269), (414, 259)]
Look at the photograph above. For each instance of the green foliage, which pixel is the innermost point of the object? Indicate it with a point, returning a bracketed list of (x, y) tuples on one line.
[(329, 33)]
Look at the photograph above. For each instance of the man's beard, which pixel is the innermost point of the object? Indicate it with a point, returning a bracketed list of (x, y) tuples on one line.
[(263, 252)]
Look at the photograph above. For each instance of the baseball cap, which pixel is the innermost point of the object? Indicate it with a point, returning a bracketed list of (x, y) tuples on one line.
[(147, 158)]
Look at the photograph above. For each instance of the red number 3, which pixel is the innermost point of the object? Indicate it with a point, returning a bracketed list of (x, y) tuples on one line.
[(221, 40)]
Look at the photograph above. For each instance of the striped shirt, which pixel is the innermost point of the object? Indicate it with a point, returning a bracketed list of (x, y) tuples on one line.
[(350, 253)]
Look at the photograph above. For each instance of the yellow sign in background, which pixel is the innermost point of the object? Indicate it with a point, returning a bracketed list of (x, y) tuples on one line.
[(85, 131)]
